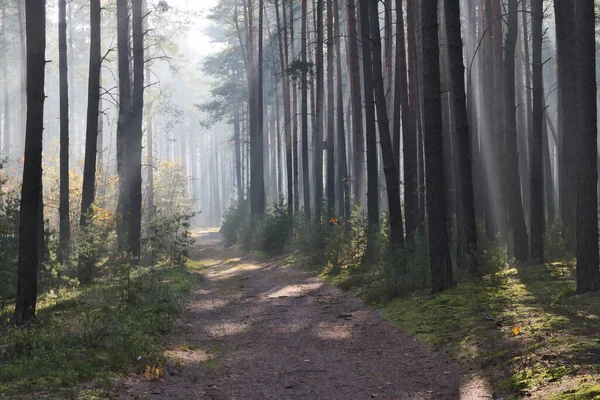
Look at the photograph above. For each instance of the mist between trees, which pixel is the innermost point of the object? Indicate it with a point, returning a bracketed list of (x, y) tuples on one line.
[(417, 136)]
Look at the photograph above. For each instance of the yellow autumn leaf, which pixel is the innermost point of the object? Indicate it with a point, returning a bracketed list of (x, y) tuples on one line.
[(516, 330)]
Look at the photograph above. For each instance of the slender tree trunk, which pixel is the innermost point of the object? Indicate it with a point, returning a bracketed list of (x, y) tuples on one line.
[(330, 115), (390, 164), (319, 111), (124, 120), (284, 61), (134, 147), (64, 225), (439, 254), (513, 178), (91, 136), (566, 44), (304, 112), (371, 135), (588, 275), (7, 137), (343, 176), (466, 253), (402, 122), (535, 139), (357, 106), (294, 117), (31, 189), (23, 76), (151, 166)]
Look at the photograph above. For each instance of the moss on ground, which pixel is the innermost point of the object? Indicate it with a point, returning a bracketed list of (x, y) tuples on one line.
[(93, 334), (524, 329)]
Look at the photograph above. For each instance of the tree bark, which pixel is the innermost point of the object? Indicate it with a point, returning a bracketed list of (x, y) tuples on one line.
[(564, 12), (330, 115), (439, 255), (357, 106), (134, 147), (343, 176), (63, 211), (390, 163), (535, 139), (31, 189), (319, 111), (513, 178), (466, 253), (124, 120), (91, 136), (371, 135), (304, 111), (588, 275)]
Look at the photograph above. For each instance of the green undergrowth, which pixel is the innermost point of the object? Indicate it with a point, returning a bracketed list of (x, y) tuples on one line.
[(93, 334), (525, 330)]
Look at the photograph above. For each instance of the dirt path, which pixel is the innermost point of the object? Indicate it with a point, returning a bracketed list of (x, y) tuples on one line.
[(256, 330)]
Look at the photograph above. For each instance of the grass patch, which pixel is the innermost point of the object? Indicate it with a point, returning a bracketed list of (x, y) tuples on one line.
[(557, 341), (94, 333)]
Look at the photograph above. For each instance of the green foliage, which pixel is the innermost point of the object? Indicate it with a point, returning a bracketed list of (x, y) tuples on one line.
[(90, 333), (555, 243), (276, 230), (234, 218), (9, 245), (492, 257)]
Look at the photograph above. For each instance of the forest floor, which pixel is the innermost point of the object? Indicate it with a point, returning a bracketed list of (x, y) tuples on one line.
[(256, 329)]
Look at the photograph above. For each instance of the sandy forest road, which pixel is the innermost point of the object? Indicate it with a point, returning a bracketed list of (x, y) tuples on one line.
[(256, 330)]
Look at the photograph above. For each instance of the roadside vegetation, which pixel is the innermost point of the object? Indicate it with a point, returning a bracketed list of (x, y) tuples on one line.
[(522, 329)]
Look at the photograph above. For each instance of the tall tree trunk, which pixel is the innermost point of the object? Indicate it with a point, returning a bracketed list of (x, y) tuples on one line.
[(330, 115), (566, 44), (390, 163), (150, 144), (284, 62), (294, 116), (124, 120), (402, 122), (319, 111), (439, 254), (6, 133), (498, 128), (513, 178), (535, 139), (466, 253), (31, 189), (343, 176), (91, 135), (63, 208), (357, 106), (134, 147), (371, 135), (23, 76), (588, 275), (304, 112)]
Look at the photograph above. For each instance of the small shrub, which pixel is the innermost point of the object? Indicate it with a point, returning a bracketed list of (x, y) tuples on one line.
[(276, 230), (555, 242), (234, 219)]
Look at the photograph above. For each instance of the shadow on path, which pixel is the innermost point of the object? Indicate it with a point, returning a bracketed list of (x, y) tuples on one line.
[(257, 330)]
